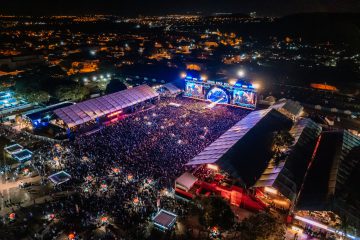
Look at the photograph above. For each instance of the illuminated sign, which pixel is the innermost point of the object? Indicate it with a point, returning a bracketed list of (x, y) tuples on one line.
[(240, 93), (114, 114)]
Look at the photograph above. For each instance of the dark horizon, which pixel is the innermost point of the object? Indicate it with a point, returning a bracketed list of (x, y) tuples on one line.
[(161, 7)]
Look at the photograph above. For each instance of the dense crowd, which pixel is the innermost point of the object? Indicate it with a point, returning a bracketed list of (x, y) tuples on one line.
[(123, 168), (126, 170)]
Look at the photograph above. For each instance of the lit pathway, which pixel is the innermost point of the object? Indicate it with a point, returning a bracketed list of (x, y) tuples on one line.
[(8, 185), (322, 226), (39, 200)]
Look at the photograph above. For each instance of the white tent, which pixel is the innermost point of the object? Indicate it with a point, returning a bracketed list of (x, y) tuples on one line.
[(185, 181), (217, 149), (91, 109)]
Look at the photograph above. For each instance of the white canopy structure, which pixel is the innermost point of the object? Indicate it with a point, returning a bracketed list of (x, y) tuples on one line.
[(217, 149), (91, 109), (186, 181), (172, 88), (13, 148), (60, 177)]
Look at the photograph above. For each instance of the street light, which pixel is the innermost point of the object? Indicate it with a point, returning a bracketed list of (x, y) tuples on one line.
[(232, 82), (183, 75), (256, 85), (241, 73)]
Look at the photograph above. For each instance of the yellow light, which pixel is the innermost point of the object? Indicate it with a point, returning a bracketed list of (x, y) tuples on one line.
[(183, 75), (296, 229), (280, 202), (232, 82), (203, 77), (256, 85), (270, 190), (212, 167)]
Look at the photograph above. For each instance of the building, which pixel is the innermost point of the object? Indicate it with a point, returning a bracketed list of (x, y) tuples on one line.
[(15, 62), (236, 160), (261, 161), (332, 182), (164, 220), (168, 90), (284, 175), (41, 117)]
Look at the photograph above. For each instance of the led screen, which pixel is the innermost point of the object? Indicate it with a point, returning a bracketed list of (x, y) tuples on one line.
[(244, 98), (194, 90), (218, 95)]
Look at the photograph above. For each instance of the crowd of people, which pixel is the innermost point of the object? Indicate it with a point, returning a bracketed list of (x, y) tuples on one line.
[(123, 168), (126, 170)]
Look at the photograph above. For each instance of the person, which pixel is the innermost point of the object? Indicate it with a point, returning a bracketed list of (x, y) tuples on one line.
[(157, 151)]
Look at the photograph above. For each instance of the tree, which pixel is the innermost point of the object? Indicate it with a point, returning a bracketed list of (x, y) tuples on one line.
[(283, 138), (36, 96), (216, 212), (115, 85), (262, 226), (74, 92), (31, 90)]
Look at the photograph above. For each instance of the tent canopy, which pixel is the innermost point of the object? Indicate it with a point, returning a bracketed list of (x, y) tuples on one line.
[(217, 149), (91, 109), (187, 180), (172, 88)]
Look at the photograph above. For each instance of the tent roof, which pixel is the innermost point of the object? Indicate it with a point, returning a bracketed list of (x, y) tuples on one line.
[(60, 177), (91, 109), (217, 149), (187, 180), (165, 219), (292, 107), (172, 88), (13, 148), (284, 174), (335, 166)]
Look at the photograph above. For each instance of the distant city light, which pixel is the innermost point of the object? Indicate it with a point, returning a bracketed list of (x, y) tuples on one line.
[(183, 75), (94, 78), (93, 52)]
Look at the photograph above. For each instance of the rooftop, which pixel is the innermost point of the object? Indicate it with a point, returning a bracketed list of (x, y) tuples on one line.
[(91, 109), (164, 219)]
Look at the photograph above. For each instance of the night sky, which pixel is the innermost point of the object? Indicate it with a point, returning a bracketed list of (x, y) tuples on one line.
[(157, 7)]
